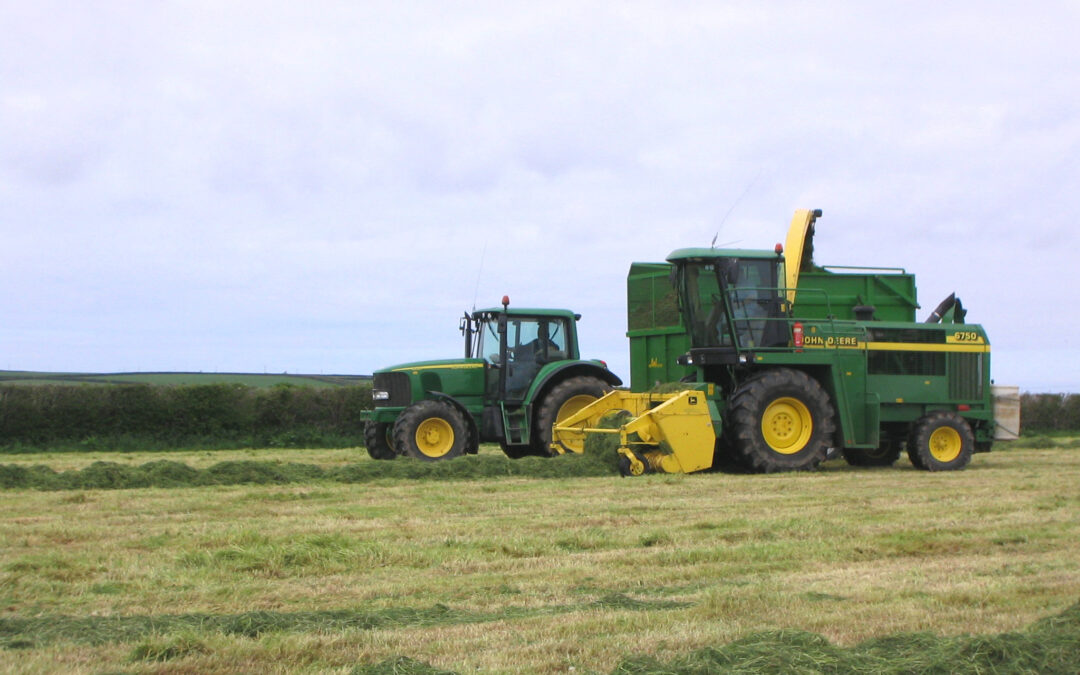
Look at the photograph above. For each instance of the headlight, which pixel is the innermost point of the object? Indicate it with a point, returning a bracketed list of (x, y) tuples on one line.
[(380, 395)]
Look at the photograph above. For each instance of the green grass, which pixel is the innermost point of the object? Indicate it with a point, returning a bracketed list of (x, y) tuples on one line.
[(839, 570), (247, 379)]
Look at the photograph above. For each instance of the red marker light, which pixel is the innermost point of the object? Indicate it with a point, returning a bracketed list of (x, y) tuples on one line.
[(506, 301), (779, 248), (963, 407)]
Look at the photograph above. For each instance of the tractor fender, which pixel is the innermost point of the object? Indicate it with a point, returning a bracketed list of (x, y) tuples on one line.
[(553, 373), (473, 431)]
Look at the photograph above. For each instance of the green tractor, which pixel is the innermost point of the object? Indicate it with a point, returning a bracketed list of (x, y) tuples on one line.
[(521, 374)]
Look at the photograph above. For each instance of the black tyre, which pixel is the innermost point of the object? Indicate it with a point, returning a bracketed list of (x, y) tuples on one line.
[(627, 468), (565, 399), (884, 455), (519, 451), (910, 446), (378, 437), (941, 441), (781, 420), (431, 431)]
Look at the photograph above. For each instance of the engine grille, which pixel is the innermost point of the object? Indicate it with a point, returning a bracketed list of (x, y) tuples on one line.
[(965, 376), (398, 386)]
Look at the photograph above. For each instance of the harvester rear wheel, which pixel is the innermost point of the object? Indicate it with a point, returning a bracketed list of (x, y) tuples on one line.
[(378, 437), (431, 431), (884, 455), (565, 399), (781, 420), (941, 441)]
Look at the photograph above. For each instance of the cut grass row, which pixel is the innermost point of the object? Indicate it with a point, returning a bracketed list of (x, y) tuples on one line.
[(1052, 645), (172, 474), (654, 574)]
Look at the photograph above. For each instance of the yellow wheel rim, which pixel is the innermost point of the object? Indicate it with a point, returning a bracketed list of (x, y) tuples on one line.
[(434, 437), (945, 444), (569, 407), (787, 425)]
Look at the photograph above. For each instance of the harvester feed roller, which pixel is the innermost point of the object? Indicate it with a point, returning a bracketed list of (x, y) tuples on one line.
[(669, 432)]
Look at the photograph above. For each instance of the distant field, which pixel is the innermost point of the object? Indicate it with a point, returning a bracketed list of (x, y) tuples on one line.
[(248, 379), (891, 570)]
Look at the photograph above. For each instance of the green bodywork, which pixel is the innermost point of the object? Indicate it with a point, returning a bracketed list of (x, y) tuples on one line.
[(495, 386), (716, 317)]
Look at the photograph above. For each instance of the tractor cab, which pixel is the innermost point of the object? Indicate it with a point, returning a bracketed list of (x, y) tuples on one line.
[(517, 344)]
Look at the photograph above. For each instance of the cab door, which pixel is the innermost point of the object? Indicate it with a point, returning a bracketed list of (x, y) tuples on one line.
[(531, 342)]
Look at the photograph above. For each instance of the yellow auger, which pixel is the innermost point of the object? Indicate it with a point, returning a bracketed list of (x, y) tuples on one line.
[(668, 432)]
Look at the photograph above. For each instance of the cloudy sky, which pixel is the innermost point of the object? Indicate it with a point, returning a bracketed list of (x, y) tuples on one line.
[(324, 187)]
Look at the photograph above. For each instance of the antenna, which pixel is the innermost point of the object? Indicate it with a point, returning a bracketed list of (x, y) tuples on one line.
[(476, 291), (734, 204)]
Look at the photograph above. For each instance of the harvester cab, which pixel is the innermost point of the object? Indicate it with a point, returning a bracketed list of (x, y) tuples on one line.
[(770, 361), (732, 300)]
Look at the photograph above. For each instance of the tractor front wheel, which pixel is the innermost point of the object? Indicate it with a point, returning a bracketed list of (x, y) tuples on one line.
[(565, 399), (941, 441), (781, 420), (378, 437), (431, 431)]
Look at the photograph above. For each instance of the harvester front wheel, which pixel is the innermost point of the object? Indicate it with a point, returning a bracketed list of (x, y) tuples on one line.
[(781, 420), (378, 437), (431, 431), (565, 399), (941, 441)]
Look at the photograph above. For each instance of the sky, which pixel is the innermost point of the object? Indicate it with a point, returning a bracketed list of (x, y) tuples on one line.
[(324, 187)]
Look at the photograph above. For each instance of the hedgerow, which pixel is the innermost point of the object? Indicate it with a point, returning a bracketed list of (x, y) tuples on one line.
[(147, 417), (1041, 413)]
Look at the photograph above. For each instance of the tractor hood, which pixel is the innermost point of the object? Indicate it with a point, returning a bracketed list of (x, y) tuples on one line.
[(445, 364), (407, 383)]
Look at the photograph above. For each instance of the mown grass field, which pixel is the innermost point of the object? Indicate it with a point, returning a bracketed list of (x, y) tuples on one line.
[(532, 574)]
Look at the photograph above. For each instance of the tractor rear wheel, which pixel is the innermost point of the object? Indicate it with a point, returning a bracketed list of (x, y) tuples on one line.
[(565, 399), (884, 455), (941, 441), (378, 437), (431, 431), (781, 420)]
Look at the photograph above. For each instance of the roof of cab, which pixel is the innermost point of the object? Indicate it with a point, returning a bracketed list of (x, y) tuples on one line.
[(710, 253)]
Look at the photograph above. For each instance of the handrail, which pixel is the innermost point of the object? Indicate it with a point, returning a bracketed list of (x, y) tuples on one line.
[(864, 268)]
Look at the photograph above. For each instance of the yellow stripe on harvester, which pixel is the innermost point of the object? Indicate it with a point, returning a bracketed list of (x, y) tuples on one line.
[(968, 347), (923, 347)]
